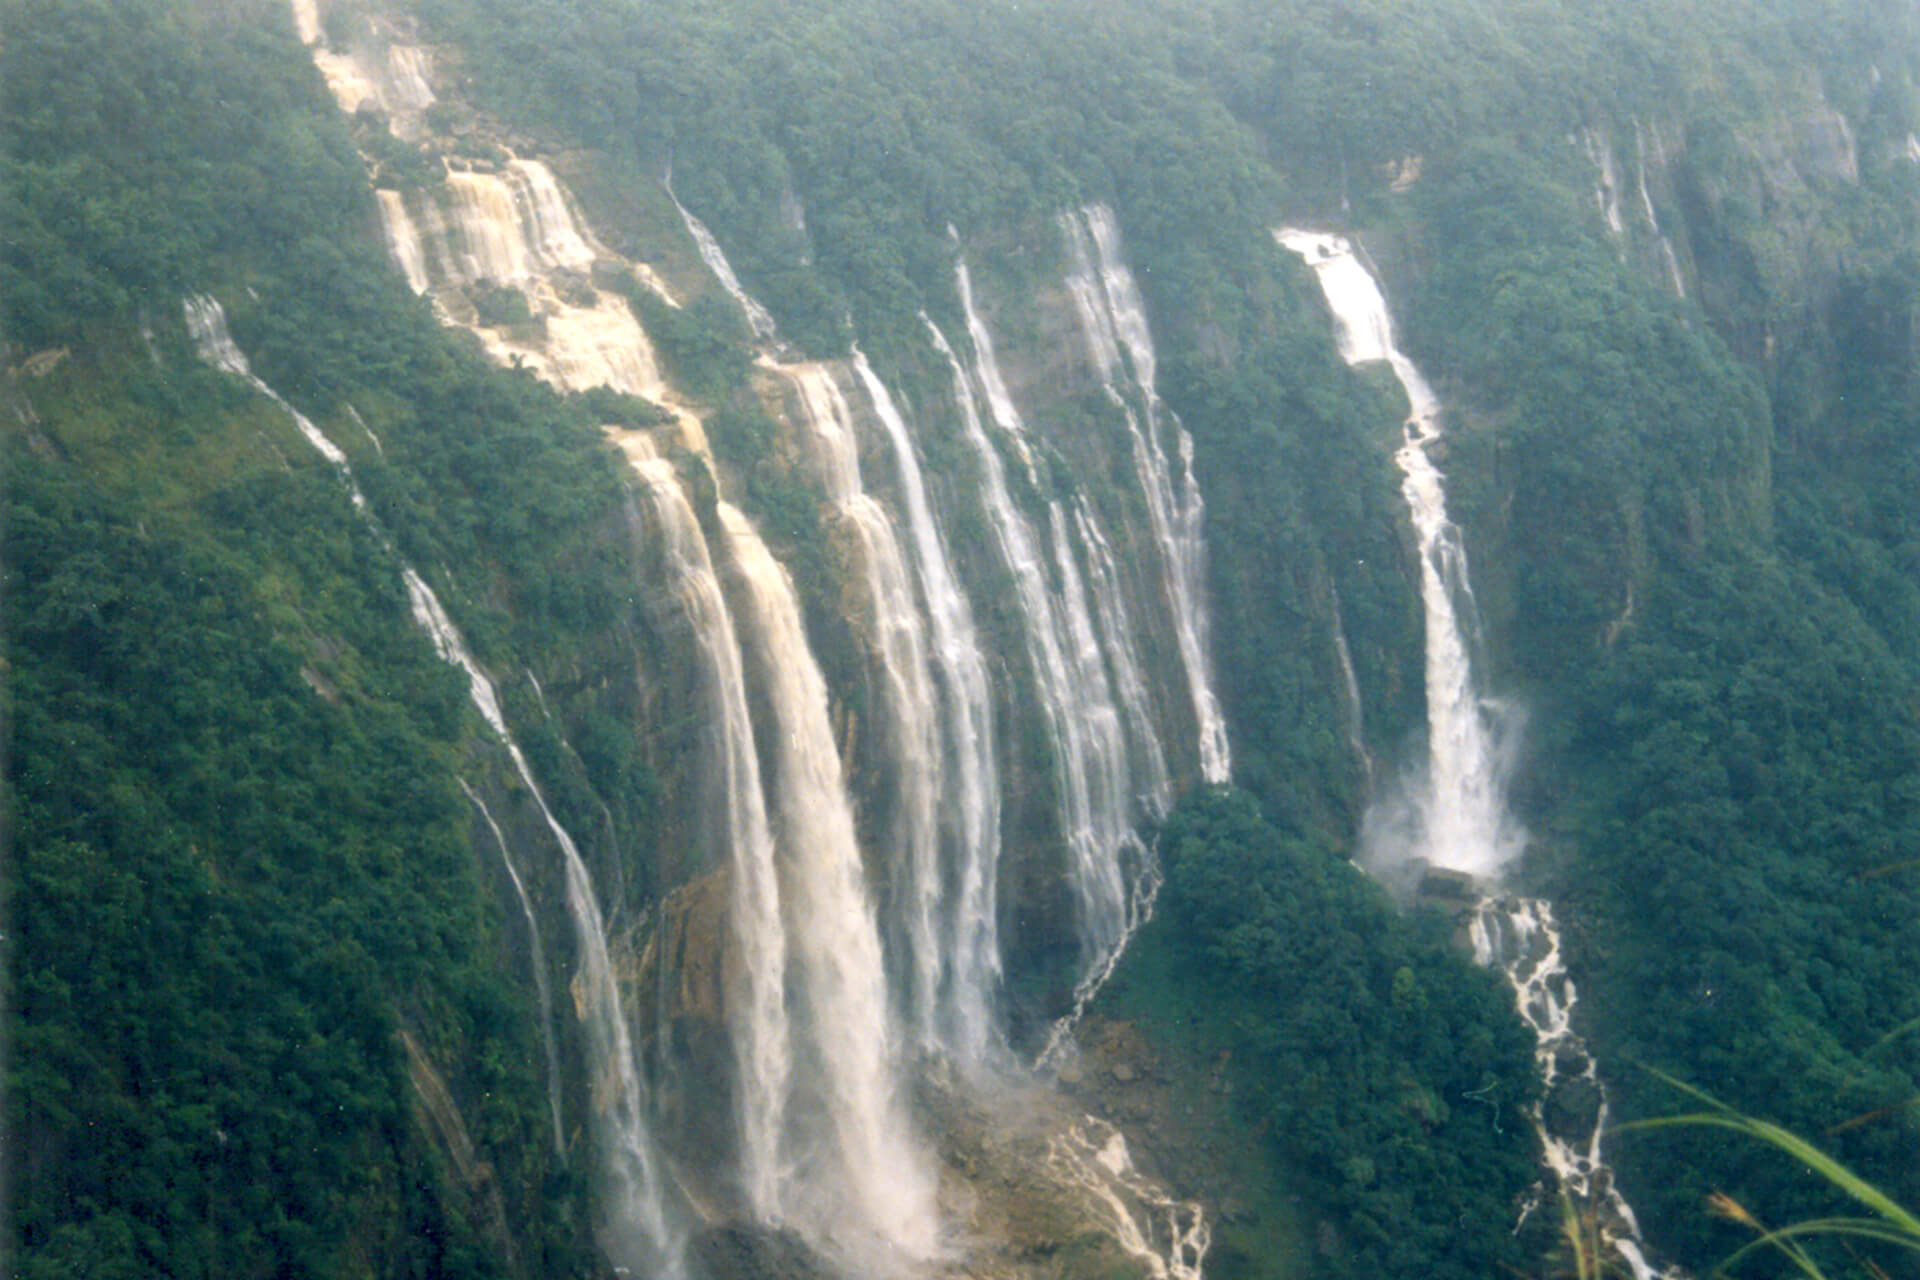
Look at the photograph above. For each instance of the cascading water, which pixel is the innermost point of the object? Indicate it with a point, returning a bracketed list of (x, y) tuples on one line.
[(1115, 874), (1168, 1237), (824, 1141), (756, 996), (1467, 827), (636, 1231), (906, 686), (542, 987), (207, 326), (514, 228), (966, 1013), (807, 928), (1153, 786), (1112, 316), (403, 242), (636, 1227), (1093, 770), (1606, 193), (1668, 258), (758, 318), (1521, 936), (861, 1127)]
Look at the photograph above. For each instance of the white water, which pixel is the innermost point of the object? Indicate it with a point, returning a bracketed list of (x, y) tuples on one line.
[(757, 317), (397, 84), (207, 326), (1667, 256), (1464, 820), (972, 776), (1092, 766), (909, 713), (756, 993), (1599, 148), (864, 1134), (1356, 710), (306, 21), (515, 228), (805, 929), (407, 72), (543, 988), (1168, 1237), (403, 242), (1520, 936), (1113, 316), (1153, 785), (637, 1233), (1467, 827)]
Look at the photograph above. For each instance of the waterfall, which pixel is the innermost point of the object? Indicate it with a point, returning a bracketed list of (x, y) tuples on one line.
[(1521, 936), (1092, 767), (515, 228), (906, 688), (1113, 316), (1606, 193), (407, 75), (1168, 1237), (403, 242), (207, 327), (1667, 256), (758, 318), (1465, 822), (1153, 786), (756, 994), (491, 245), (306, 21), (637, 1232), (1356, 709), (542, 210), (973, 782), (835, 941), (1467, 826), (538, 960)]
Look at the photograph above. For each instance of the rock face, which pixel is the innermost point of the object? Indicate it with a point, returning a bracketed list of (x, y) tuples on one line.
[(788, 925)]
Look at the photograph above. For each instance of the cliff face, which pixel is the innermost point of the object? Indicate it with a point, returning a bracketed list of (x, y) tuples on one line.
[(623, 600)]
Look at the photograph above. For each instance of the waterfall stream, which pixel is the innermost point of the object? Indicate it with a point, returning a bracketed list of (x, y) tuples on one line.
[(972, 802), (825, 1143), (834, 937), (1521, 936), (756, 996), (537, 960), (1467, 826), (1113, 316), (1668, 259), (1092, 768), (905, 683), (758, 318), (637, 1231)]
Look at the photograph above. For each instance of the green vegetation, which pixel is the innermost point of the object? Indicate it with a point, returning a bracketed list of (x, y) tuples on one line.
[(1864, 1239), (240, 863), (1378, 1066), (1692, 526)]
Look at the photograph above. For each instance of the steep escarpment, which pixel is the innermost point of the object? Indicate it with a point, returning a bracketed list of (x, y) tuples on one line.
[(683, 586)]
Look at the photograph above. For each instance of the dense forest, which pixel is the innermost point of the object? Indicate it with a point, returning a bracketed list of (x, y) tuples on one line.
[(1662, 263)]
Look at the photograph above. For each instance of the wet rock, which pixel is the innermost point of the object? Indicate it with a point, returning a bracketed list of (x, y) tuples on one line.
[(757, 1253), (1572, 1109)]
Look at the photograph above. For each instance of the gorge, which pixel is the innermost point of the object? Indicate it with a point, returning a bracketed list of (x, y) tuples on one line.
[(764, 643)]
